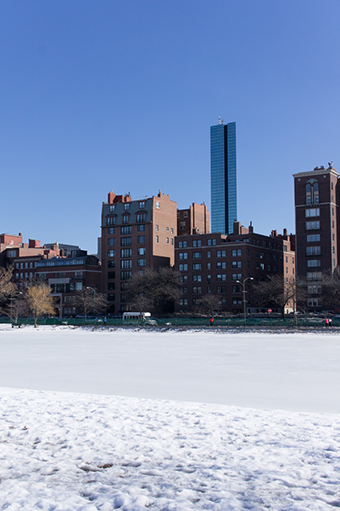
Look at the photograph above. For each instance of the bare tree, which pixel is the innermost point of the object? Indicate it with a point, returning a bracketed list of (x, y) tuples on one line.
[(90, 302), (39, 300), (330, 288), (7, 288), (278, 291), (154, 289), (208, 304)]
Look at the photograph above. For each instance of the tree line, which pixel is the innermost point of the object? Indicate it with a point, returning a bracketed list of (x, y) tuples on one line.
[(157, 291)]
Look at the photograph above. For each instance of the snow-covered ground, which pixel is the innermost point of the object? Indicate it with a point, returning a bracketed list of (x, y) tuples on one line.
[(269, 439)]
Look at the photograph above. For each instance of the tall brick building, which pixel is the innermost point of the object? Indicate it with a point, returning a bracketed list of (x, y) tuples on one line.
[(136, 234), (317, 228)]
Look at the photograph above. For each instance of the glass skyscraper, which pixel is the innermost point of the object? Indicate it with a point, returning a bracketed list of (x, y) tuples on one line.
[(223, 177)]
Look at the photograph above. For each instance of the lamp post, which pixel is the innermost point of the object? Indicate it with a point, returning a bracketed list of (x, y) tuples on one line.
[(94, 291), (244, 297)]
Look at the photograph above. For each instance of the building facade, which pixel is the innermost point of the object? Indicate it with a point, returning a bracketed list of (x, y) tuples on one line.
[(223, 177), (317, 228), (218, 264), (136, 234), (194, 220)]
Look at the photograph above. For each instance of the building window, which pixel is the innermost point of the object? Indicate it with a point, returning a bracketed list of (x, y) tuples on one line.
[(182, 244), (157, 228), (220, 253), (141, 227), (167, 241), (221, 290), (237, 253), (79, 286), (111, 275), (208, 254), (126, 252), (221, 265), (196, 290), (313, 237), (196, 255), (236, 264), (172, 231), (111, 230), (183, 267), (312, 212), (125, 242), (111, 242), (196, 243), (208, 266), (314, 275), (183, 255), (182, 226), (141, 262), (142, 205), (126, 229), (183, 278), (183, 301), (157, 239), (157, 205), (126, 206), (312, 225), (314, 290), (111, 253), (197, 278), (313, 262), (110, 220), (237, 276), (313, 251), (236, 289), (140, 217), (126, 264), (197, 266), (110, 286), (78, 274), (221, 276), (111, 264), (112, 208), (125, 275), (140, 239), (211, 242), (141, 251), (313, 302)]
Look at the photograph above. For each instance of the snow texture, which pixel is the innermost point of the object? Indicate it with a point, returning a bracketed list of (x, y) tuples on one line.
[(86, 451)]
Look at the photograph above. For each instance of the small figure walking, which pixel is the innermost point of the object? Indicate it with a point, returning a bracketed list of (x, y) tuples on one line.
[(211, 321), (327, 321)]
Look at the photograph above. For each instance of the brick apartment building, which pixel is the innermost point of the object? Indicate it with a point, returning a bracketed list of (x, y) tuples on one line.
[(213, 263), (136, 234), (317, 228), (65, 275)]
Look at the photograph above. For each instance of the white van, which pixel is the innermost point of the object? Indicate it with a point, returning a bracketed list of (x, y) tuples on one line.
[(135, 317)]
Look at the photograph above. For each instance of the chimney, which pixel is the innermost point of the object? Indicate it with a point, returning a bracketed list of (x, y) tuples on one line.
[(285, 232), (237, 228), (111, 197)]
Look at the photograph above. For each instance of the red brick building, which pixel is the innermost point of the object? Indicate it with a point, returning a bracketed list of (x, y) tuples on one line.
[(317, 228), (136, 234), (214, 263)]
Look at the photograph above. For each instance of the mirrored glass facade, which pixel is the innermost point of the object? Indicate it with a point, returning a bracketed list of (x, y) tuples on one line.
[(223, 177)]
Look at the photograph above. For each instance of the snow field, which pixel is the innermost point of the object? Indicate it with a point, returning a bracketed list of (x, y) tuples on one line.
[(66, 452), (66, 446)]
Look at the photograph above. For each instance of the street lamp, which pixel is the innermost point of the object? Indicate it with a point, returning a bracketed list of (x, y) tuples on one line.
[(244, 296), (94, 291)]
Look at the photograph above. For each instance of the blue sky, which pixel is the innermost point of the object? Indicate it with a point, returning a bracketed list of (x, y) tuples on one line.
[(120, 95)]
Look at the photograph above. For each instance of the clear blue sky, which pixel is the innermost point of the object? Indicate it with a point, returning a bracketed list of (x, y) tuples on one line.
[(120, 95)]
